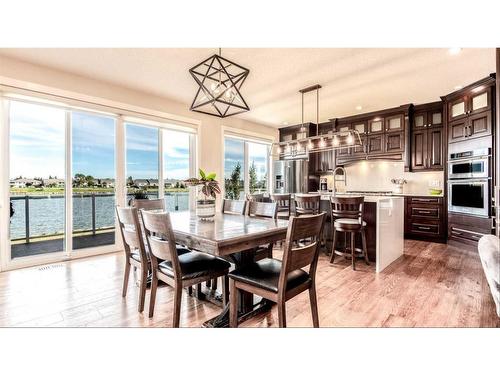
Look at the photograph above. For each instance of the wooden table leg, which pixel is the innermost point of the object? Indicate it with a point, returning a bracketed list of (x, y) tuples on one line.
[(246, 306)]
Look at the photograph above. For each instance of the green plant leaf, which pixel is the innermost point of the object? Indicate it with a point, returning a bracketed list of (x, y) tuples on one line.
[(202, 174), (211, 176)]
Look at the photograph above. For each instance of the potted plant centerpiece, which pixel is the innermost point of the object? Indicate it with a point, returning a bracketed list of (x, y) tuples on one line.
[(208, 188)]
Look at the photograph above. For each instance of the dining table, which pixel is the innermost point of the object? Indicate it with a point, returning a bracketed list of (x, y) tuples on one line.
[(235, 238)]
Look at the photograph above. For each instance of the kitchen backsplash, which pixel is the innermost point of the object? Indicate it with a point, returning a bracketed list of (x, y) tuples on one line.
[(377, 175)]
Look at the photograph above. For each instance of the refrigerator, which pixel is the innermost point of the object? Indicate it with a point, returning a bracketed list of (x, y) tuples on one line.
[(290, 176)]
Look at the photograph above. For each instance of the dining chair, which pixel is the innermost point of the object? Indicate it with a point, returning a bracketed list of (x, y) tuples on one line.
[(255, 197), (154, 204), (347, 213), (284, 203), (264, 210), (233, 207), (178, 271), (135, 251), (149, 204), (279, 281)]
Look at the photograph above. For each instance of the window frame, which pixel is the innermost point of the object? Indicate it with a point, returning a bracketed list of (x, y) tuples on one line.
[(6, 263), (246, 137)]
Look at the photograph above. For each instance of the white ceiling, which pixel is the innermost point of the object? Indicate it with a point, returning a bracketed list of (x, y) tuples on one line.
[(372, 78)]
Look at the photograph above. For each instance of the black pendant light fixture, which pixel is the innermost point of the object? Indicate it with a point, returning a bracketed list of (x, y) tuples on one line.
[(219, 82)]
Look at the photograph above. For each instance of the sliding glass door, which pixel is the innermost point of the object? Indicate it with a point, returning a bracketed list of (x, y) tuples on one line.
[(176, 168), (64, 166), (37, 179), (142, 160), (93, 179)]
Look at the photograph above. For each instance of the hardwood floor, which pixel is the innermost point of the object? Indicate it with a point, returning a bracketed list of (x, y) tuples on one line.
[(432, 285)]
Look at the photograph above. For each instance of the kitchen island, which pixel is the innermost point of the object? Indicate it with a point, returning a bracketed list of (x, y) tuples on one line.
[(384, 216)]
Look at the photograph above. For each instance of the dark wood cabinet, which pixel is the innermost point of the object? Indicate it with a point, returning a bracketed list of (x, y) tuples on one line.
[(468, 229), (470, 111), (435, 148), (425, 218), (419, 150), (383, 134), (427, 142), (394, 142), (375, 144)]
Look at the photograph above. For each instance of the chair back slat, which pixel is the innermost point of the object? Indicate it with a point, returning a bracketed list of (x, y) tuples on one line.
[(149, 204), (283, 201), (255, 197), (161, 239), (348, 208), (233, 207), (307, 204), (301, 257), (131, 232), (296, 255), (262, 209)]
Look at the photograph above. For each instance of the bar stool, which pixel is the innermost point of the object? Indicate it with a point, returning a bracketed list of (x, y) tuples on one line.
[(347, 214)]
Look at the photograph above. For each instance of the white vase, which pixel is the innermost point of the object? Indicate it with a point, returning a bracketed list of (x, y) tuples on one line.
[(398, 189), (205, 209)]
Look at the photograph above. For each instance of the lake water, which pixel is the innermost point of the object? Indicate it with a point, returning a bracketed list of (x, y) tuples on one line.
[(46, 213)]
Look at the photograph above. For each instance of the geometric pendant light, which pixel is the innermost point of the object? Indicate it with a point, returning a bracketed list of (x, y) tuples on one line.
[(219, 82)]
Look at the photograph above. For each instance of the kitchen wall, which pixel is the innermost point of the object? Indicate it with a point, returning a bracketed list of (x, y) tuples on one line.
[(377, 175)]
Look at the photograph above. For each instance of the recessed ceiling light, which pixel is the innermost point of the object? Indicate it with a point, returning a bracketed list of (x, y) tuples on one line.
[(284, 123), (454, 51), (359, 108), (458, 87)]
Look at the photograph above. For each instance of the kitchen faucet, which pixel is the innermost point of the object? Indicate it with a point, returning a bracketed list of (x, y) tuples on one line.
[(344, 172)]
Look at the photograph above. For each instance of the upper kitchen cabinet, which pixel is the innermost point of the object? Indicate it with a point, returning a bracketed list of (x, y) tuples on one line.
[(376, 125), (426, 137), (383, 134), (470, 111), (395, 123), (295, 132)]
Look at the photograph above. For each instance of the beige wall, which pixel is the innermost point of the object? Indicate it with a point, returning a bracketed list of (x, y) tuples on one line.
[(377, 175), (15, 72)]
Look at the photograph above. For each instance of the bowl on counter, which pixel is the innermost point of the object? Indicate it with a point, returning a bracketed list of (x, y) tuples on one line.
[(435, 191)]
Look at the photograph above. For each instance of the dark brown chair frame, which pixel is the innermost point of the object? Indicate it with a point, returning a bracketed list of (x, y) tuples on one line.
[(284, 203), (294, 258), (131, 233), (349, 208), (265, 210), (161, 241), (233, 207)]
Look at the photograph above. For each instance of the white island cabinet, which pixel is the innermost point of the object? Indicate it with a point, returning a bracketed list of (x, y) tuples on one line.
[(386, 239)]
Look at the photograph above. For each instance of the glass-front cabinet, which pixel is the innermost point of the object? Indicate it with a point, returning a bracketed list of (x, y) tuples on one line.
[(394, 123)]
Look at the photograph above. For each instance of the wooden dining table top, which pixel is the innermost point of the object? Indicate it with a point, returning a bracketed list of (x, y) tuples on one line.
[(226, 234)]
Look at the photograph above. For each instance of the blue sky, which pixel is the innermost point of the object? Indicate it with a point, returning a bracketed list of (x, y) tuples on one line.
[(234, 152), (37, 145)]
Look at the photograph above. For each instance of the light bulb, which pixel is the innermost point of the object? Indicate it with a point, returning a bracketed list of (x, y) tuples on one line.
[(322, 143), (299, 147), (349, 139), (310, 145), (287, 148), (335, 141), (279, 150), (228, 93)]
